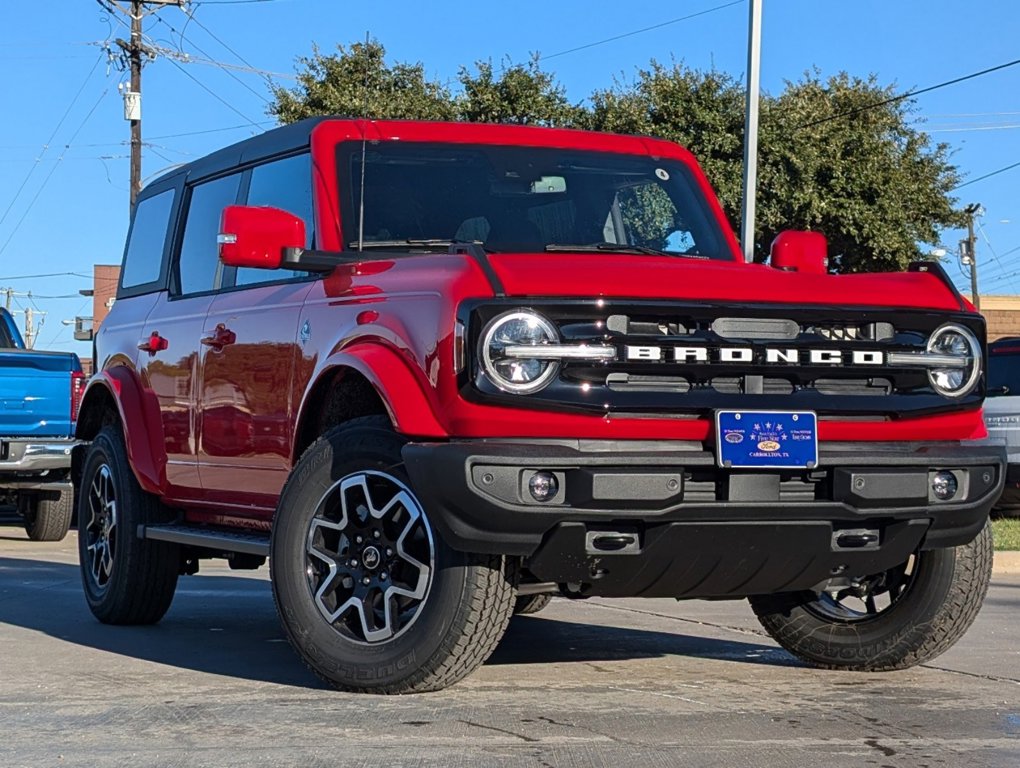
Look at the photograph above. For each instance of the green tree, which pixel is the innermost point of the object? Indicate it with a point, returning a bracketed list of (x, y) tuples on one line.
[(522, 93), (839, 157), (357, 82)]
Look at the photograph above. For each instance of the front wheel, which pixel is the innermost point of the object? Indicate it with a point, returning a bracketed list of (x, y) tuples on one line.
[(893, 620), (369, 594)]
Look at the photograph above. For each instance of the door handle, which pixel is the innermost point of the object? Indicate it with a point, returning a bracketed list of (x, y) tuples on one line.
[(155, 343), (220, 337)]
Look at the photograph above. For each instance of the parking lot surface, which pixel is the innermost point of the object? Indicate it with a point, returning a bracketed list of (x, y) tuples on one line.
[(590, 683)]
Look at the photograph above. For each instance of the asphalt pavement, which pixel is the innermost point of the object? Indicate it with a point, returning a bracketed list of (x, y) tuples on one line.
[(589, 683)]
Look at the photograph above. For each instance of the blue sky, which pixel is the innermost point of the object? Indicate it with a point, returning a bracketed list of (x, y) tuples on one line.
[(73, 211)]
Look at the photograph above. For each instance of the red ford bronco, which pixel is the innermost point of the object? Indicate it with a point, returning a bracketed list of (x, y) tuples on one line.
[(436, 373)]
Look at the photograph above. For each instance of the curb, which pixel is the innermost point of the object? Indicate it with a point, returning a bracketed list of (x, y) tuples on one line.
[(1006, 564)]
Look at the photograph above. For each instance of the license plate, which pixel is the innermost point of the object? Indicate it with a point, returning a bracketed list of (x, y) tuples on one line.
[(766, 439)]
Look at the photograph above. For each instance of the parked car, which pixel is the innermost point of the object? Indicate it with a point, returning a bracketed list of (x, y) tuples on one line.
[(1002, 415), (436, 372), (39, 397)]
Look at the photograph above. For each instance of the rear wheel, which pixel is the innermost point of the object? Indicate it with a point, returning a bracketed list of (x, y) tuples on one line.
[(47, 517), (369, 594), (127, 580), (892, 620)]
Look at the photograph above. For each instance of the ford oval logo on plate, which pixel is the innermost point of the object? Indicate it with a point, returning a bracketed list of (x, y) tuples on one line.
[(767, 439)]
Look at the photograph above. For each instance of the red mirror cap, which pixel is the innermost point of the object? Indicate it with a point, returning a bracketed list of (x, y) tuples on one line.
[(255, 236), (796, 251)]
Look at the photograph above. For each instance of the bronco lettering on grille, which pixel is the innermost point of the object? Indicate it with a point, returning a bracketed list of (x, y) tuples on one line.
[(768, 355)]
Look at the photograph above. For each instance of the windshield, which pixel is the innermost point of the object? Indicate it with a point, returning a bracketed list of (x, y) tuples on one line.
[(526, 199)]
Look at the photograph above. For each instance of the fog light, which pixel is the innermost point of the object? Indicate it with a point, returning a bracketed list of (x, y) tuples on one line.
[(543, 486), (944, 485)]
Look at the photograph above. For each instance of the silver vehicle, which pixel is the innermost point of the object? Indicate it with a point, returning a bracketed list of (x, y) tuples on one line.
[(1002, 415)]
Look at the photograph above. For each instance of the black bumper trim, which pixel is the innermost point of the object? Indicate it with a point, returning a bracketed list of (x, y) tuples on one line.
[(449, 479)]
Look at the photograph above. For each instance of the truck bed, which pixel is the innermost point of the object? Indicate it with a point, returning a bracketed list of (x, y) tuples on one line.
[(35, 396)]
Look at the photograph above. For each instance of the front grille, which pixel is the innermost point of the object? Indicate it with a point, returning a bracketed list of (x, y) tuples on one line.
[(675, 358)]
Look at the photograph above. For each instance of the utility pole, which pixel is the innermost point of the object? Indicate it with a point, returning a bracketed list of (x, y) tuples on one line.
[(751, 129), (968, 252), (10, 298), (29, 329), (135, 113), (135, 51)]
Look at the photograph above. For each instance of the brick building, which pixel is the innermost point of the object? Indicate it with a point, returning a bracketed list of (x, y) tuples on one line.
[(103, 292)]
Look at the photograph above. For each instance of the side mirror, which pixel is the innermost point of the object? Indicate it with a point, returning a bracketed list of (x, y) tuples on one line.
[(794, 251), (253, 236)]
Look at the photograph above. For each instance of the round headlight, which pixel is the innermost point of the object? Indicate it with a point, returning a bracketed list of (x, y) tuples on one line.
[(955, 341), (518, 373)]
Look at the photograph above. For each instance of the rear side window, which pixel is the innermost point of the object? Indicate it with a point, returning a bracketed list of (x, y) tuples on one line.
[(143, 258), (1004, 369), (199, 266), (284, 184)]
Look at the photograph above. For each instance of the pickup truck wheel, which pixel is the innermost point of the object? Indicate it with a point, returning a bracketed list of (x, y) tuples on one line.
[(893, 620), (368, 593), (46, 519), (528, 604), (127, 580)]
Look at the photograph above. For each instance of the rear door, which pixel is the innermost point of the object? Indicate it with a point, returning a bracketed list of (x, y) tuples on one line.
[(250, 349), (175, 326)]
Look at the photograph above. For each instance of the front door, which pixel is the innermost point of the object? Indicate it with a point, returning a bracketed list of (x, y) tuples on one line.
[(250, 349)]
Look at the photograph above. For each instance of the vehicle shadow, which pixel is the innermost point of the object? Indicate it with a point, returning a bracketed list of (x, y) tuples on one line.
[(227, 625)]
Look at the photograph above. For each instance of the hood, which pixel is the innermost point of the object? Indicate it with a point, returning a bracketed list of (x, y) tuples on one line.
[(664, 277)]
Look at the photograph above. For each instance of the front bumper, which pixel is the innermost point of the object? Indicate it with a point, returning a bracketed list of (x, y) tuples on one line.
[(660, 519)]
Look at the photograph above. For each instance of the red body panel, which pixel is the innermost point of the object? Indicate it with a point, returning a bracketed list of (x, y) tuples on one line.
[(224, 441)]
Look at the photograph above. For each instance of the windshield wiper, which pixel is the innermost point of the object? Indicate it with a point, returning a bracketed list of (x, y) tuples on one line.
[(412, 243), (606, 246)]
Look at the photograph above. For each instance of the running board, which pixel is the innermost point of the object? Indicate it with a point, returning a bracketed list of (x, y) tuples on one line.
[(246, 542)]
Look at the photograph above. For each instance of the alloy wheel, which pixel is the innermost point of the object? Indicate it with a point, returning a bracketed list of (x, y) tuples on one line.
[(370, 557), (863, 599), (101, 529)]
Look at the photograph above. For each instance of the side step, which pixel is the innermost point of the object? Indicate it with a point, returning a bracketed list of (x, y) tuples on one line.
[(246, 542)]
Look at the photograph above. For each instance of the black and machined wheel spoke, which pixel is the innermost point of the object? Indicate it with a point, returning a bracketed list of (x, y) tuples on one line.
[(101, 528), (370, 557)]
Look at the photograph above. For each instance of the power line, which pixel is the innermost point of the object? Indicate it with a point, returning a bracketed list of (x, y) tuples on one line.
[(986, 176), (231, 2), (639, 31), (908, 94), (49, 141), (52, 171), (213, 93), (48, 274), (211, 130), (209, 57), (213, 35)]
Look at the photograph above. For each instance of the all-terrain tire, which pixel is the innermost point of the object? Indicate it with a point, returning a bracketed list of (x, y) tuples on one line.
[(133, 581), (47, 518), (528, 604), (337, 495), (938, 606)]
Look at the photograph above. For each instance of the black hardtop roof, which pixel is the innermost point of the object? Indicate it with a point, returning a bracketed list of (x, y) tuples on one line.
[(275, 141)]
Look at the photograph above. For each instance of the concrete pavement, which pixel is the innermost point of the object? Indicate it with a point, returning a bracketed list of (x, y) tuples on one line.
[(594, 683)]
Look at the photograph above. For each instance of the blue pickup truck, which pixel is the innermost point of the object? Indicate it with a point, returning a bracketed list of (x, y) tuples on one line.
[(39, 397)]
